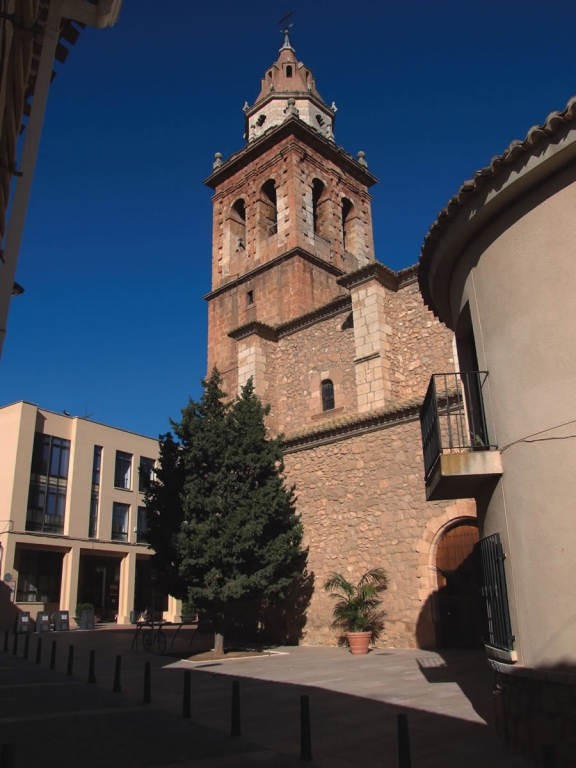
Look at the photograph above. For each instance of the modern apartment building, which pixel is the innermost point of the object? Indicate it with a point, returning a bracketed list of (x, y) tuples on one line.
[(72, 515)]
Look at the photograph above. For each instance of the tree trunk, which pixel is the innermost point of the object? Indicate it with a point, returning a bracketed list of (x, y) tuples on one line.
[(219, 634)]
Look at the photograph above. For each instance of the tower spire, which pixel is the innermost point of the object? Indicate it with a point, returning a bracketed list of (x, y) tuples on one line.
[(288, 91), (287, 43)]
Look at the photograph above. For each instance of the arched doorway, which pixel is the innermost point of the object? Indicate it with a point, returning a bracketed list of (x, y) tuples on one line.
[(459, 618)]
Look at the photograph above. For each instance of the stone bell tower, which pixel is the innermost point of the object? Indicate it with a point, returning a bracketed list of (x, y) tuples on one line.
[(291, 217)]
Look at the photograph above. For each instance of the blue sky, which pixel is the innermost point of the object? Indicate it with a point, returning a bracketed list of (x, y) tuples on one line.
[(117, 248)]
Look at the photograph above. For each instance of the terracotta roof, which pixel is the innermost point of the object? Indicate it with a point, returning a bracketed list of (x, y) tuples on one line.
[(553, 123)]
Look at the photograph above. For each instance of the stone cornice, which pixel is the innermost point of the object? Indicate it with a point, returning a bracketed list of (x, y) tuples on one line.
[(254, 328), (292, 253), (275, 332), (292, 125), (352, 425), (335, 307), (284, 96), (375, 270)]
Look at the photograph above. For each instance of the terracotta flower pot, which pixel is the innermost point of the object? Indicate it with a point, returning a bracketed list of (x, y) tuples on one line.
[(358, 642)]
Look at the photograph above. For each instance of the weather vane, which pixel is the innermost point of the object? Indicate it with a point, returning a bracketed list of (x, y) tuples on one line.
[(286, 17), (286, 28)]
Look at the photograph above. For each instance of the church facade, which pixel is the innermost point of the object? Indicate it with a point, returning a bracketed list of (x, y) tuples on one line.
[(342, 348)]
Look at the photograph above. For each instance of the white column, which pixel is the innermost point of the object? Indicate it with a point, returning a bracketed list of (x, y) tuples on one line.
[(127, 587), (69, 585)]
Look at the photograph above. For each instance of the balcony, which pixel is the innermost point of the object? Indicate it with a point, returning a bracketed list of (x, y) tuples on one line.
[(458, 456)]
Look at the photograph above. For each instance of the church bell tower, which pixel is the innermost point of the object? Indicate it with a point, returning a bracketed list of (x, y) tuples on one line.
[(291, 218)]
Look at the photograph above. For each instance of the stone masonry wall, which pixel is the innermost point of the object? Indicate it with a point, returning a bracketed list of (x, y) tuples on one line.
[(419, 344), (292, 288), (297, 365), (363, 506)]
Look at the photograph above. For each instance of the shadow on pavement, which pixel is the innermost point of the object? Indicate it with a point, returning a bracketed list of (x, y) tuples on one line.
[(63, 719)]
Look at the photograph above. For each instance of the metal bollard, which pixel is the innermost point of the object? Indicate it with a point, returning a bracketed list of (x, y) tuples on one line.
[(39, 651), (92, 667), (7, 755), (147, 698), (53, 655), (117, 687), (549, 756), (186, 703), (305, 732), (15, 645), (6, 641), (404, 758), (70, 661), (235, 713)]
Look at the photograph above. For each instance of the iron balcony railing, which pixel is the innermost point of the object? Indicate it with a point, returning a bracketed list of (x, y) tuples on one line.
[(495, 593), (452, 417)]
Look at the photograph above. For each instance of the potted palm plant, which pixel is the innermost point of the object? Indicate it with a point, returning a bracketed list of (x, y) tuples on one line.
[(356, 611)]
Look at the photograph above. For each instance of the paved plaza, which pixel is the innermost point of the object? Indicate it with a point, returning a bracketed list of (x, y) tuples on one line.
[(354, 701)]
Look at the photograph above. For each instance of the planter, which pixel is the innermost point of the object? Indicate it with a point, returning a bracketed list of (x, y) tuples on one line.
[(358, 642)]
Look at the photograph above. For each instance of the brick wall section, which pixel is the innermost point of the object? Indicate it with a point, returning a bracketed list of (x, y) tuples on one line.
[(363, 506), (288, 290), (293, 167), (419, 344)]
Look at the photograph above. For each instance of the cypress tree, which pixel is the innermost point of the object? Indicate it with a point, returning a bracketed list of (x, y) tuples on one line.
[(236, 535)]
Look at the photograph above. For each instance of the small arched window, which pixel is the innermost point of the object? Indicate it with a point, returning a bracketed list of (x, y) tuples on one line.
[(327, 395), (289, 71), (271, 212)]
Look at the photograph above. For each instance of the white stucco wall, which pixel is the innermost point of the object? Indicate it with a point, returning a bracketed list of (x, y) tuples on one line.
[(519, 276)]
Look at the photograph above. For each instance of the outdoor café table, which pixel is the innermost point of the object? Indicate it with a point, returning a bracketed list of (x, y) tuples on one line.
[(156, 627)]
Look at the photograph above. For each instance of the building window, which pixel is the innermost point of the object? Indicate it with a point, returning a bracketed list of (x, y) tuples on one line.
[(95, 492), (48, 483), (146, 473), (327, 395), (120, 515), (123, 471), (289, 71), (39, 576), (141, 525), (249, 297)]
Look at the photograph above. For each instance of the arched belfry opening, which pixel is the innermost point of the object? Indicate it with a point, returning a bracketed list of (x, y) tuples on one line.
[(320, 216), (348, 233), (459, 615), (270, 207), (238, 225)]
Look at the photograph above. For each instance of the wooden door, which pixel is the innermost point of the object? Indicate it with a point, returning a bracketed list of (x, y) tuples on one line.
[(459, 620)]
